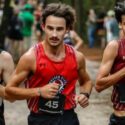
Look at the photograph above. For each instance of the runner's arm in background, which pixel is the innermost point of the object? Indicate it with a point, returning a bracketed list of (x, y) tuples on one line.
[(104, 78), (78, 42), (7, 68)]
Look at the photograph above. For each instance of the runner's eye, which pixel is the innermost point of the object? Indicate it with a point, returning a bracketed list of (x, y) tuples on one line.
[(60, 28)]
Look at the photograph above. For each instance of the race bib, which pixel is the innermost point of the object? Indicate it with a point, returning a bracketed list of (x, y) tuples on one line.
[(52, 106)]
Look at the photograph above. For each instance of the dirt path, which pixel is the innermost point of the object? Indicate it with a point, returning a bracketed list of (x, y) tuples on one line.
[(94, 54)]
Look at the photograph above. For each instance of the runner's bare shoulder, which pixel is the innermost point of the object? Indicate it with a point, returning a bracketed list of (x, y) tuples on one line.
[(4, 55), (80, 58), (28, 60), (112, 48), (5, 58), (113, 44)]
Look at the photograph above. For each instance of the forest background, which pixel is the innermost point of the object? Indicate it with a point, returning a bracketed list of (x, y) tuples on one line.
[(81, 6)]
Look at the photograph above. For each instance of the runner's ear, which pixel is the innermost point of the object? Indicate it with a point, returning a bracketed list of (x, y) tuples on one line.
[(43, 26)]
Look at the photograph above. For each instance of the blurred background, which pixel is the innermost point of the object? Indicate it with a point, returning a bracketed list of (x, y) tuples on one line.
[(11, 9)]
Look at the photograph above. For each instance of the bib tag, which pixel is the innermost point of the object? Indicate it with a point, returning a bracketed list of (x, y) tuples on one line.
[(52, 106)]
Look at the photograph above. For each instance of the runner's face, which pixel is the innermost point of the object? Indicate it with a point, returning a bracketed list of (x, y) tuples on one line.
[(55, 29)]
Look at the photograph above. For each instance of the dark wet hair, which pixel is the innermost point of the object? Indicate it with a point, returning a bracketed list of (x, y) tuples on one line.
[(60, 10), (119, 9)]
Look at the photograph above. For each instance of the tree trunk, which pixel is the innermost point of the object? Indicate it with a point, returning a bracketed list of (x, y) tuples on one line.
[(4, 23), (78, 5), (73, 3)]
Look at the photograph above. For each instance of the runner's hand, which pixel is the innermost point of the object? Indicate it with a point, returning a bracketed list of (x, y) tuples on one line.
[(50, 90), (82, 100)]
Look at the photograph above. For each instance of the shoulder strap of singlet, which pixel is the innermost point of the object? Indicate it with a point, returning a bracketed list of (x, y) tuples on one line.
[(39, 49), (71, 51), (120, 46)]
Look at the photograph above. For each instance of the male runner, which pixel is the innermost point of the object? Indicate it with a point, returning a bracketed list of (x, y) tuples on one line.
[(112, 70), (50, 70)]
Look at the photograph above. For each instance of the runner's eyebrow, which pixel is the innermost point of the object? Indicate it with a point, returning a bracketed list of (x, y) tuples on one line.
[(57, 28), (50, 27), (60, 28)]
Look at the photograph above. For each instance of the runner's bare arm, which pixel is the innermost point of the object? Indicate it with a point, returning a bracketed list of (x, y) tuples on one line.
[(25, 66), (2, 91), (77, 40), (104, 79), (84, 81), (7, 67)]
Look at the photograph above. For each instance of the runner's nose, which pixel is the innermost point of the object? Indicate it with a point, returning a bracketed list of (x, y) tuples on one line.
[(54, 33)]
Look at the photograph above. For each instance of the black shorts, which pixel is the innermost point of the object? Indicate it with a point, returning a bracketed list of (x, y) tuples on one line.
[(2, 121), (115, 120), (68, 118)]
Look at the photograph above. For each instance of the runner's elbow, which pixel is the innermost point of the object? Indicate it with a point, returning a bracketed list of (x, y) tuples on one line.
[(8, 96), (9, 99), (98, 87)]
